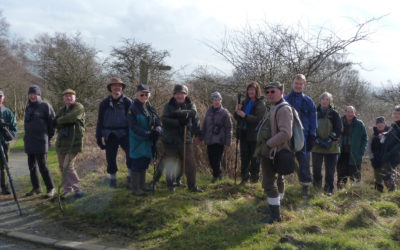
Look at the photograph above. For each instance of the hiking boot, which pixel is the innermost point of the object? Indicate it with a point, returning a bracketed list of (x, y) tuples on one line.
[(196, 189), (5, 191), (67, 195), (306, 192), (113, 183), (214, 179), (254, 180), (274, 216), (379, 187), (50, 193), (243, 182), (317, 185), (34, 191), (179, 183), (171, 189), (78, 194)]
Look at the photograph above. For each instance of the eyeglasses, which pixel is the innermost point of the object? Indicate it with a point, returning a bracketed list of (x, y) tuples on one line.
[(272, 92), (145, 94)]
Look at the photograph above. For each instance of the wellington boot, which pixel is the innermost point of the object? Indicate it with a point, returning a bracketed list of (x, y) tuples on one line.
[(135, 184), (274, 216)]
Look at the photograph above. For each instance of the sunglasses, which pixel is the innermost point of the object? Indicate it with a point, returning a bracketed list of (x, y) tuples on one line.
[(145, 94), (272, 92)]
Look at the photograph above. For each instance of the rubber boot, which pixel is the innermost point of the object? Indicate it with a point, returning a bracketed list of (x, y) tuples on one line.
[(143, 181), (135, 183), (306, 193), (379, 187), (274, 215)]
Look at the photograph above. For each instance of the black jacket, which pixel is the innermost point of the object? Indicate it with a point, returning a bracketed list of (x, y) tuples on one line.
[(39, 127), (376, 147), (246, 129)]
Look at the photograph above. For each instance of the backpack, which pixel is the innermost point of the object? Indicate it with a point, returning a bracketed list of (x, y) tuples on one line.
[(296, 143), (263, 134)]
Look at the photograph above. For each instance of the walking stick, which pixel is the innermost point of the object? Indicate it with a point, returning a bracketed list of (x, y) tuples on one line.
[(184, 150), (4, 159), (239, 96)]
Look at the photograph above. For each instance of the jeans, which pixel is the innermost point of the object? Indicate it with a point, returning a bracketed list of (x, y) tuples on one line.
[(303, 158)]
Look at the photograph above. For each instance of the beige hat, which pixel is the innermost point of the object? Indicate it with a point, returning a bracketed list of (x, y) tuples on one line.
[(69, 91), (116, 80)]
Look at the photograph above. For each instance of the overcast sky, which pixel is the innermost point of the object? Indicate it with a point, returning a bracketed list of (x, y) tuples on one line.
[(182, 26)]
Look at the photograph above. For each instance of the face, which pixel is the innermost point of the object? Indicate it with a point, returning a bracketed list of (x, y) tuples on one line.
[(180, 97), (143, 97), (251, 92), (350, 114), (69, 99), (325, 102), (1, 99), (274, 95), (298, 85), (217, 102), (396, 116), (116, 88), (33, 97), (380, 126)]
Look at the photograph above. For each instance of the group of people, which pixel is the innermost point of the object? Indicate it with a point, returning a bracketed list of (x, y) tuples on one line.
[(135, 126)]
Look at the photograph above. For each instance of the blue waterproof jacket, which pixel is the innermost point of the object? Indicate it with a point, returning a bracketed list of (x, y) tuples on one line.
[(140, 124), (306, 108)]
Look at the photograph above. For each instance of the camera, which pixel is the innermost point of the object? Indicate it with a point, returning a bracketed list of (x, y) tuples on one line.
[(216, 129)]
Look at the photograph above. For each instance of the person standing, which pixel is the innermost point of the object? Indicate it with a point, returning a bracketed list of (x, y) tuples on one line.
[(306, 109), (376, 151), (280, 118), (352, 148), (39, 129), (327, 146), (112, 125), (7, 119), (216, 133), (248, 114), (144, 130), (70, 129), (178, 113), (391, 152)]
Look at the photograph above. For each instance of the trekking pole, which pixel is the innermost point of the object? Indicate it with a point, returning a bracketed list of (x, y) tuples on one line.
[(4, 159), (239, 96)]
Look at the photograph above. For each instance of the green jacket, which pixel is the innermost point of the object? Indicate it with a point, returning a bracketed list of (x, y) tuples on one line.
[(358, 140), (8, 116), (329, 128), (70, 129), (173, 131)]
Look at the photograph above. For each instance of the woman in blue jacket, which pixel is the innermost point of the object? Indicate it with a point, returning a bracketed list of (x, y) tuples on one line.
[(144, 130)]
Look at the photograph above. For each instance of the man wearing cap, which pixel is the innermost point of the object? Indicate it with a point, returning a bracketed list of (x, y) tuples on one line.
[(7, 119), (39, 129), (112, 125), (307, 111), (376, 151), (178, 113), (70, 129), (281, 124)]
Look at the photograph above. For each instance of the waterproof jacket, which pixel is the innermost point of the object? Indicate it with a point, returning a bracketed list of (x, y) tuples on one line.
[(142, 119), (39, 127), (281, 127), (246, 129), (112, 117), (172, 129), (70, 129), (8, 116), (376, 147), (305, 106), (357, 139), (391, 145), (329, 127), (217, 120)]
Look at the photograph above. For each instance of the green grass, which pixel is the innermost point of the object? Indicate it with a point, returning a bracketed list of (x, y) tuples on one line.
[(19, 144), (225, 216)]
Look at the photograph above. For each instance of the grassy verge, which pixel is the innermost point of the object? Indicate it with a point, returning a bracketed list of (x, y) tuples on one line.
[(225, 216)]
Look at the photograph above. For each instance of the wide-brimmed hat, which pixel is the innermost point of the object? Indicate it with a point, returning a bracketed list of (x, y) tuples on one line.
[(116, 80), (69, 91)]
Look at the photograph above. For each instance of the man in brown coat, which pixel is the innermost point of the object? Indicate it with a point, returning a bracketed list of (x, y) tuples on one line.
[(281, 120)]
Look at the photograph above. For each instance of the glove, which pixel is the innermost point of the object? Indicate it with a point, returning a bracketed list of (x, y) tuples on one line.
[(328, 142), (183, 121), (101, 144), (154, 134), (310, 142)]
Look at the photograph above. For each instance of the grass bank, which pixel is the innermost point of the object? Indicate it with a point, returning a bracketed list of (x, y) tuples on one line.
[(225, 216)]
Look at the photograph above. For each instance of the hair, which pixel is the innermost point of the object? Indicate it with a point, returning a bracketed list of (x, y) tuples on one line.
[(137, 93), (299, 77), (350, 107), (397, 108), (256, 86), (326, 94)]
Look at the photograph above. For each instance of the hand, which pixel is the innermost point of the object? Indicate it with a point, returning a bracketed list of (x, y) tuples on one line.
[(101, 144), (226, 147), (197, 140), (238, 107), (241, 113), (310, 141), (183, 121), (154, 134)]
